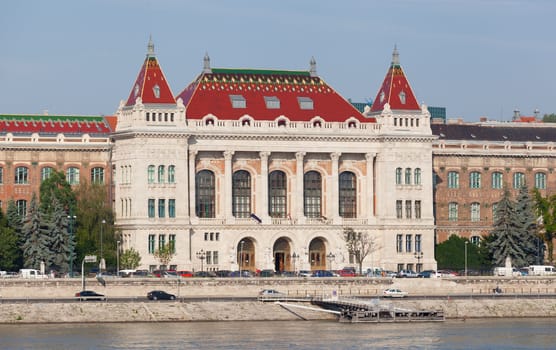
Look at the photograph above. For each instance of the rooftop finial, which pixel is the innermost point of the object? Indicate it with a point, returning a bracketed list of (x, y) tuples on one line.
[(150, 47), (313, 70), (395, 56), (206, 64)]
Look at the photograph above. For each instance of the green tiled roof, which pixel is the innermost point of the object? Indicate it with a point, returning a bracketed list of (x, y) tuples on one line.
[(73, 118), (260, 71)]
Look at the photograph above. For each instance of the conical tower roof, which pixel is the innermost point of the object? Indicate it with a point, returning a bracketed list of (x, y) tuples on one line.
[(151, 84), (395, 89)]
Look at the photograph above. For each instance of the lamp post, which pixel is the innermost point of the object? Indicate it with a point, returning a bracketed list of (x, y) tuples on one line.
[(71, 221), (240, 256), (466, 258), (330, 258), (201, 255), (102, 264), (294, 258), (118, 258), (418, 256)]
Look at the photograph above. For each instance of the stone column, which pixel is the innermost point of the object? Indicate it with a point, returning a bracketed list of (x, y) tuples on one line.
[(299, 214), (262, 207), (192, 172), (334, 187), (227, 186), (370, 184)]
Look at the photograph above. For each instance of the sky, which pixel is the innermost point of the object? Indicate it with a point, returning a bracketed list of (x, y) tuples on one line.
[(474, 57)]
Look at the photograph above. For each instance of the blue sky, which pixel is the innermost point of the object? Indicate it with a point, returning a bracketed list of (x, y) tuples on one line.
[(474, 57)]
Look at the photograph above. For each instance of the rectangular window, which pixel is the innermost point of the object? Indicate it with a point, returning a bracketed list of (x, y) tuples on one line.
[(272, 102), (171, 208), (212, 236), (161, 208), (398, 209), (1, 175), (399, 243), (453, 211), (208, 257), (305, 103), (453, 179), (408, 209), (151, 208), (151, 244), (206, 236), (417, 209), (172, 243), (217, 236), (475, 180), (400, 267), (161, 241), (408, 176), (540, 181), (475, 212), (238, 101), (408, 243), (97, 175), (418, 243), (215, 257), (497, 180), (519, 180)]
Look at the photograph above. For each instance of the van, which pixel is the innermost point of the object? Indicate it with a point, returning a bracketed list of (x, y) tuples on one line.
[(541, 270), (31, 273), (505, 271)]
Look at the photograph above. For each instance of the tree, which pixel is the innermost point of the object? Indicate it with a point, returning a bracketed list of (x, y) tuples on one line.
[(164, 254), (527, 220), (130, 259), (36, 240), (61, 243), (15, 221), (56, 186), (549, 118), (9, 249), (546, 210), (506, 234), (359, 245), (450, 254)]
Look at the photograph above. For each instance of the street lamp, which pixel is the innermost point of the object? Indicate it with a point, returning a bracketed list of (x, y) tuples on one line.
[(330, 257), (102, 264), (294, 258), (118, 258), (240, 256), (418, 256), (71, 221), (201, 255), (466, 258)]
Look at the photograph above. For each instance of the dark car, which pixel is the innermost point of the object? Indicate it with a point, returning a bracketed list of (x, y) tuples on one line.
[(160, 295), (205, 274), (222, 273), (427, 274), (85, 295), (322, 273), (266, 273)]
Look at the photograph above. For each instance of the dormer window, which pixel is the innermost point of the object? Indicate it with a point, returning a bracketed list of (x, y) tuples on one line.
[(382, 96), (402, 97), (238, 101), (156, 91), (272, 102), (305, 102), (136, 90)]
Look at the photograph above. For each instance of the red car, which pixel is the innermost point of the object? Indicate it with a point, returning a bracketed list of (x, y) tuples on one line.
[(347, 273), (185, 273)]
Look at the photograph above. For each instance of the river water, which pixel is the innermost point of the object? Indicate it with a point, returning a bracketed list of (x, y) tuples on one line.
[(452, 334)]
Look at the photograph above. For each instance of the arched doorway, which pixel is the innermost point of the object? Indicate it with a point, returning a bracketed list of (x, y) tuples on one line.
[(282, 256), (246, 255), (317, 254)]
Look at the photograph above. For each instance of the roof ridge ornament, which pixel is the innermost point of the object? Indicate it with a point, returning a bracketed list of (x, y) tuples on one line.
[(313, 69), (206, 64), (150, 47), (395, 56)]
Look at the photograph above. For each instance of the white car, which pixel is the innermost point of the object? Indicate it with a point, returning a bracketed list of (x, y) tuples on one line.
[(394, 293), (270, 294)]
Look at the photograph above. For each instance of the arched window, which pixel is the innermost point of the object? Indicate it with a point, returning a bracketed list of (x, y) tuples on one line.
[(72, 176), (417, 176), (241, 194), (453, 179), (312, 194), (21, 175), (348, 193), (497, 180), (277, 191), (160, 174), (97, 175), (475, 212), (408, 176), (475, 180), (46, 172), (398, 176), (205, 194), (540, 181), (171, 174), (519, 180), (150, 174)]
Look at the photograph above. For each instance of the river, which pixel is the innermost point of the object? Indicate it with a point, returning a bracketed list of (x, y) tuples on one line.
[(452, 334)]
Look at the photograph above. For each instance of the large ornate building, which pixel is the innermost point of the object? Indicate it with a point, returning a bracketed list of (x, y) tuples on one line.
[(264, 169)]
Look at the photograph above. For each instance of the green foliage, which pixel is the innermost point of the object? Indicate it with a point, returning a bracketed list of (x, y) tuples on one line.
[(549, 118), (130, 259), (450, 254), (61, 242), (527, 223), (164, 254), (358, 245), (56, 186), (546, 209), (14, 220), (35, 246), (9, 249)]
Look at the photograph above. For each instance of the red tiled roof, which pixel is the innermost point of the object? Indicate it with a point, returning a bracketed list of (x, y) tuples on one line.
[(151, 85), (395, 90), (212, 93)]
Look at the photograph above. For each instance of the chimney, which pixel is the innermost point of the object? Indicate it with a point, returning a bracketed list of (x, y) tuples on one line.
[(516, 114)]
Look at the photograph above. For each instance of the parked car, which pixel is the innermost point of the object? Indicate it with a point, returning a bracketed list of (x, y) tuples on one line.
[(184, 273), (428, 274), (222, 273), (160, 295), (85, 295), (270, 294), (288, 274), (394, 293), (322, 273), (407, 274), (304, 273), (244, 273), (347, 273), (204, 274), (266, 273), (447, 273)]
